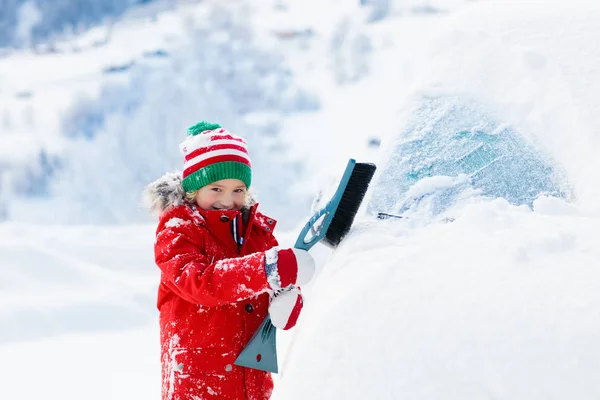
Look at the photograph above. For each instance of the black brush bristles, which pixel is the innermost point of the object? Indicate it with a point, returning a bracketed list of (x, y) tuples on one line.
[(349, 204)]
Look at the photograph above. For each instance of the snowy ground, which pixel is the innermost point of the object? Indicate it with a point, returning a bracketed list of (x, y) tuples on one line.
[(77, 312), (117, 365), (487, 300)]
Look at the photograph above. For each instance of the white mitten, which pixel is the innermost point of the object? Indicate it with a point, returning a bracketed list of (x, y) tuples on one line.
[(285, 308)]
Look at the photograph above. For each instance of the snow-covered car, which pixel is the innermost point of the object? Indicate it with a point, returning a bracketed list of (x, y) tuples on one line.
[(488, 286)]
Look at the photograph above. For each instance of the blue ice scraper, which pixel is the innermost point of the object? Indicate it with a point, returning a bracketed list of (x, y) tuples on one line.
[(330, 224)]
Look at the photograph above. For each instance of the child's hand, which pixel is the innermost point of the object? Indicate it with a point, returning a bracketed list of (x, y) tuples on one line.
[(285, 308), (288, 267)]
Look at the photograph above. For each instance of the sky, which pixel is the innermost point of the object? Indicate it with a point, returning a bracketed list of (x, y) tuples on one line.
[(478, 291)]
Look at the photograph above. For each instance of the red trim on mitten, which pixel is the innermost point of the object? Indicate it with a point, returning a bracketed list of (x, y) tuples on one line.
[(295, 313), (287, 267)]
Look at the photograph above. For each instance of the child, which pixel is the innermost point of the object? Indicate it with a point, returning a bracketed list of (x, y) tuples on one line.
[(220, 269)]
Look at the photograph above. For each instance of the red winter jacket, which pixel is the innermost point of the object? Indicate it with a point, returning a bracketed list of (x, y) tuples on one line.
[(212, 297)]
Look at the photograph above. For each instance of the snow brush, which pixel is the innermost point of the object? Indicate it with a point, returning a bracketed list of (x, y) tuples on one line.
[(329, 225)]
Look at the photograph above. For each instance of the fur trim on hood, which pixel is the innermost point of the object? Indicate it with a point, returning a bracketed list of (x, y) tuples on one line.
[(167, 191)]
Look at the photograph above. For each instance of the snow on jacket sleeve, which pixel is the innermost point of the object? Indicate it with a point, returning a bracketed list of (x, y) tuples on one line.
[(179, 253)]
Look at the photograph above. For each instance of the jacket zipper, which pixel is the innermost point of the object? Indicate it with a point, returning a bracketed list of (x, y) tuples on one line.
[(247, 231), (240, 252)]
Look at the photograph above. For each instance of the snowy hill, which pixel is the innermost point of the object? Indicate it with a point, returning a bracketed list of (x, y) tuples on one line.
[(120, 104), (487, 287), (40, 24)]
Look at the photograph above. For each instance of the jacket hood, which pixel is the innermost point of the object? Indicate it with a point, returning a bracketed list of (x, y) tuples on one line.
[(167, 191)]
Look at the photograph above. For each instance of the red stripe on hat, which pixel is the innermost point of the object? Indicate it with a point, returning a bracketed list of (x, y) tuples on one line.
[(214, 160), (227, 137), (209, 131), (206, 149)]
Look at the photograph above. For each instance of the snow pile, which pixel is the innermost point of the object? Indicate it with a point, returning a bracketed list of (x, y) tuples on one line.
[(502, 303)]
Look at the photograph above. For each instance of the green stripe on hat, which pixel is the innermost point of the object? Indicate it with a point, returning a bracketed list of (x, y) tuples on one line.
[(216, 172)]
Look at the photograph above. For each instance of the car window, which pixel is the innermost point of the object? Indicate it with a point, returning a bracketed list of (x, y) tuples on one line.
[(453, 148)]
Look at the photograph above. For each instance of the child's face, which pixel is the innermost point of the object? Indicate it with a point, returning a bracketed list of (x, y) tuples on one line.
[(226, 194)]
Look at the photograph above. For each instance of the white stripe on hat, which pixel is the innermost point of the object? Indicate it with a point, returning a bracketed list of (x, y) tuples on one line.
[(190, 147), (204, 140), (214, 153)]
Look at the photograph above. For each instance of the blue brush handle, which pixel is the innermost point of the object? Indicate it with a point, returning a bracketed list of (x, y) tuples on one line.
[(326, 212)]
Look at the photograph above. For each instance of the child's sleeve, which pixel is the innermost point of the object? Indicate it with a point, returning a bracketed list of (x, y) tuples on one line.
[(179, 253)]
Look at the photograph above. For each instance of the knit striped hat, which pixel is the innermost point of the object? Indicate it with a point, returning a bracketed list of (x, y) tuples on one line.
[(211, 154)]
